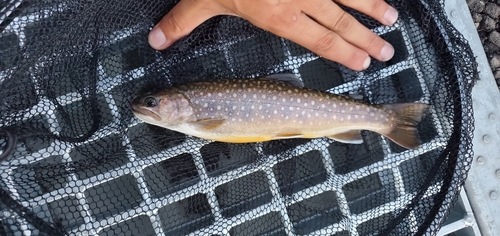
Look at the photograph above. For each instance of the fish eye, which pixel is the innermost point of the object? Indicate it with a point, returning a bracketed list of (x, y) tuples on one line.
[(150, 102)]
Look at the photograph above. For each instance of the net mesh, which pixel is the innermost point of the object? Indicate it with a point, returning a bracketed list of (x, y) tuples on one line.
[(76, 161)]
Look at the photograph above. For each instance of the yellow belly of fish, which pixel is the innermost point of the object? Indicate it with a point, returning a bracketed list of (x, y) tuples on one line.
[(241, 139), (261, 138)]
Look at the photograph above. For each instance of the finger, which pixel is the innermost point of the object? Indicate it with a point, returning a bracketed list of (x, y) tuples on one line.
[(180, 21), (326, 43), (334, 18), (377, 9)]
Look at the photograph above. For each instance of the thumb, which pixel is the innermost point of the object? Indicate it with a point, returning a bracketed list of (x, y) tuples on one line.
[(180, 21)]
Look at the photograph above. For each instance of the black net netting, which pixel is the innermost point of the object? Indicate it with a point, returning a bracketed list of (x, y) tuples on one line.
[(75, 160)]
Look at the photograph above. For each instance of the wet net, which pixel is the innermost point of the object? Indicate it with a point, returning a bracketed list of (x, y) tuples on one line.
[(76, 161)]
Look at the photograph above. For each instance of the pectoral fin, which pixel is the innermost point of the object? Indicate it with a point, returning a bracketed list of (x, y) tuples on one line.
[(352, 137), (208, 124)]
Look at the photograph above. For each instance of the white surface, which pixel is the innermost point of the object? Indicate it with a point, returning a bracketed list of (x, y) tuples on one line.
[(483, 184)]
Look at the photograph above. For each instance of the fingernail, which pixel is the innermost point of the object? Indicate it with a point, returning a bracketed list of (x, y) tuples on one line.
[(387, 52), (390, 16), (366, 63), (157, 39)]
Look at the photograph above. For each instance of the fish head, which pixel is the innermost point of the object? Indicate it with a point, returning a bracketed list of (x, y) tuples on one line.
[(166, 109)]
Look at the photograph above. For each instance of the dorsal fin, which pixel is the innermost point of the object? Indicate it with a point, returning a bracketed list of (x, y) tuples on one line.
[(287, 78)]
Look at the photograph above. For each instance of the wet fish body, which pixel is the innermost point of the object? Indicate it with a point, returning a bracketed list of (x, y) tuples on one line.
[(256, 110)]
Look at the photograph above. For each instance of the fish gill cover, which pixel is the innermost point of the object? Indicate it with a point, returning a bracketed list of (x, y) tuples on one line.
[(76, 161)]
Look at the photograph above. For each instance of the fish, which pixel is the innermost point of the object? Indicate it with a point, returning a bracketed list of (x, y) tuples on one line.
[(272, 108)]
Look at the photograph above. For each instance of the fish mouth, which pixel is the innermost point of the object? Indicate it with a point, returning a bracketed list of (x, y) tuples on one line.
[(144, 112)]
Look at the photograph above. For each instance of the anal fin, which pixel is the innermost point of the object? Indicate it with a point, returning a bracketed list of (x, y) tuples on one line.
[(351, 137)]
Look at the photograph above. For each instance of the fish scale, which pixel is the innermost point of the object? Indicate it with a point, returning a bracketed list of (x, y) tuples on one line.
[(255, 110), (259, 102)]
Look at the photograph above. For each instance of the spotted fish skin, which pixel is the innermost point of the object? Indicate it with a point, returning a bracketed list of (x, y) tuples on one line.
[(255, 110)]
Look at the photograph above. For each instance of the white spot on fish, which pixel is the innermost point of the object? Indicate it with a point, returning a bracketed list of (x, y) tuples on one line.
[(351, 108), (235, 95), (334, 105), (286, 117), (290, 108), (303, 112), (323, 106), (291, 99), (234, 108), (253, 107), (247, 115), (309, 115), (349, 117), (296, 115), (242, 108), (205, 105), (275, 112), (264, 96), (255, 96), (306, 95), (312, 103), (283, 99), (371, 113), (239, 119), (358, 107), (298, 100), (305, 104), (316, 114), (341, 118), (219, 94), (334, 117), (218, 108), (263, 117), (289, 91), (252, 119), (210, 94), (260, 107), (233, 119), (227, 90), (244, 95), (356, 116)]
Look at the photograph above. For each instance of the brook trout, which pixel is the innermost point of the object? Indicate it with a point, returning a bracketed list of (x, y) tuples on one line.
[(271, 108)]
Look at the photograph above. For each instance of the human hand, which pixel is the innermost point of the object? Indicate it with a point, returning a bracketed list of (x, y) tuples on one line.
[(333, 34)]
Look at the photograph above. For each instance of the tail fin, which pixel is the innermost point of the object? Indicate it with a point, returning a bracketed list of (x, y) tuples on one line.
[(408, 116)]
